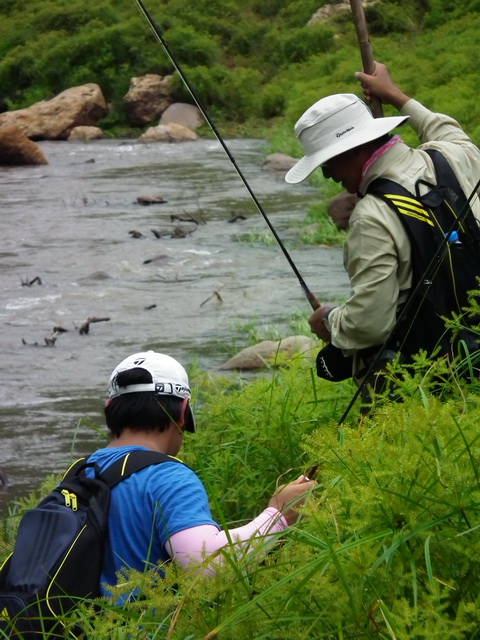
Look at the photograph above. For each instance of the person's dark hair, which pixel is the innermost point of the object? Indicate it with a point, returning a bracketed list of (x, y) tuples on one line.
[(143, 410)]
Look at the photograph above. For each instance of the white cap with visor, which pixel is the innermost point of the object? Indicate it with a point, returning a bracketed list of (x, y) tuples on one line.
[(169, 378)]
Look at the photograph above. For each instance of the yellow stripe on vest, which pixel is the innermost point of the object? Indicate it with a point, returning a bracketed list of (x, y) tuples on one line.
[(415, 215), (410, 207)]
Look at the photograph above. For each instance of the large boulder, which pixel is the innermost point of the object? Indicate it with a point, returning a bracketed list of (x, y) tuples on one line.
[(54, 119), (270, 352), (16, 149), (168, 133), (147, 98), (188, 115)]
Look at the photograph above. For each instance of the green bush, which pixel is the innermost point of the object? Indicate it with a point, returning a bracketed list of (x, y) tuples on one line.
[(273, 100), (297, 13), (388, 18), (441, 11), (191, 47), (389, 544), (300, 44), (249, 42), (234, 92)]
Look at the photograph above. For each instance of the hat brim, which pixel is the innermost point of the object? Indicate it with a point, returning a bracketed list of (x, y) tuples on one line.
[(306, 165), (190, 424)]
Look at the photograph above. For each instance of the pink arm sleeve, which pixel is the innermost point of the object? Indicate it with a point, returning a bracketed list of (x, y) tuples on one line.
[(196, 543)]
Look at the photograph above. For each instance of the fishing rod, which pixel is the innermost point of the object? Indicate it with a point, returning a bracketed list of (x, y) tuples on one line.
[(424, 282), (314, 303), (363, 38)]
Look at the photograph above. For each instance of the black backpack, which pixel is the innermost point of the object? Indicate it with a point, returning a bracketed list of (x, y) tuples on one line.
[(445, 240), (58, 554)]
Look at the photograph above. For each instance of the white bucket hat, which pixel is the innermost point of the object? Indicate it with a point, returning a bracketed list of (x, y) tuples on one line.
[(332, 126), (169, 378)]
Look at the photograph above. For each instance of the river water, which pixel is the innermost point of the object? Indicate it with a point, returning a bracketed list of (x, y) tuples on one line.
[(69, 253)]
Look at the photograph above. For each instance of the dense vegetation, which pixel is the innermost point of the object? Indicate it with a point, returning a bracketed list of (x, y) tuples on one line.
[(252, 64), (390, 545)]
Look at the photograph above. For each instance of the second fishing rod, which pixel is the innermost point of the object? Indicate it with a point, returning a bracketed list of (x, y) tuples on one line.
[(314, 303)]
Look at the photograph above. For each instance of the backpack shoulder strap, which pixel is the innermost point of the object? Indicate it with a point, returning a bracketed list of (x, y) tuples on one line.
[(448, 180), (133, 462), (74, 468)]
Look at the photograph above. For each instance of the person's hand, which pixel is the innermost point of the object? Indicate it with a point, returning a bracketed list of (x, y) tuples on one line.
[(316, 321), (381, 86), (290, 496)]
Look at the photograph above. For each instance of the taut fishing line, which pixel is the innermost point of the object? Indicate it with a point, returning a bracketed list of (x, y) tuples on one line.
[(314, 303)]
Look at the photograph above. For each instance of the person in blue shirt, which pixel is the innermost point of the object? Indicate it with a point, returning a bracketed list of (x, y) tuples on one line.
[(162, 512)]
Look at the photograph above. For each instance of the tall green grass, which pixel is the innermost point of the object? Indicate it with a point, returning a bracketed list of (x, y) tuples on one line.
[(388, 545)]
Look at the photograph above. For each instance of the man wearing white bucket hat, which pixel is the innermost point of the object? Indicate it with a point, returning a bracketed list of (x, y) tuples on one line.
[(340, 136)]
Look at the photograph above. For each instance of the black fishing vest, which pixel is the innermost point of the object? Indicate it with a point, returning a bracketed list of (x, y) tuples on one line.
[(445, 246)]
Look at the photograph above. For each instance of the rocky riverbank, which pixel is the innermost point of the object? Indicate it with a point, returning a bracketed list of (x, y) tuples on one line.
[(77, 113)]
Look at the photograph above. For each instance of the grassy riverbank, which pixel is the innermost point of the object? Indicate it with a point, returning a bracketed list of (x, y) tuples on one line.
[(388, 547)]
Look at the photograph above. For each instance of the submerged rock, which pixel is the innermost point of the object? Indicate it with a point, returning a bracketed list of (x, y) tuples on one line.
[(171, 132), (280, 162), (85, 133)]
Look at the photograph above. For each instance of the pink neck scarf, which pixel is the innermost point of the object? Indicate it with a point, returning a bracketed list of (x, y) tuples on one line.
[(379, 152)]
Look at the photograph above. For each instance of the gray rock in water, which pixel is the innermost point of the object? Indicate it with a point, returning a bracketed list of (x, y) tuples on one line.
[(96, 275), (280, 162), (187, 115), (171, 132), (85, 133), (270, 352)]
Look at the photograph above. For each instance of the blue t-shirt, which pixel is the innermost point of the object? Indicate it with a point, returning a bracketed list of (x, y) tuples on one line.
[(145, 509)]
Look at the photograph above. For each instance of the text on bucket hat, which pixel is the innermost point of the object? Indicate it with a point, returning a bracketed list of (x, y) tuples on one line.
[(333, 125), (169, 378)]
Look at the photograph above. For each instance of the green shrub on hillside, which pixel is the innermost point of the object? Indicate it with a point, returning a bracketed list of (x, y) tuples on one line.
[(193, 48), (302, 43), (388, 18), (233, 92), (47, 47), (297, 13)]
